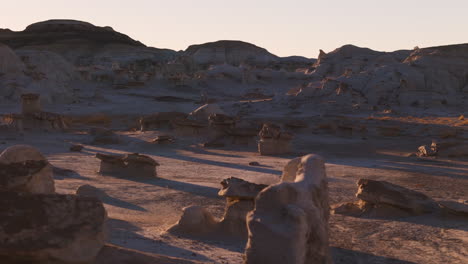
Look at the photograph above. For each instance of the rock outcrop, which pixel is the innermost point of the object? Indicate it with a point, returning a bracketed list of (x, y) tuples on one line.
[(24, 169), (50, 228), (386, 200), (273, 141), (380, 192), (39, 226), (353, 76), (290, 221), (239, 194), (240, 200)]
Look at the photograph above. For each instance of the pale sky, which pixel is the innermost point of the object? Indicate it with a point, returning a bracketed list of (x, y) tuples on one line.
[(289, 27)]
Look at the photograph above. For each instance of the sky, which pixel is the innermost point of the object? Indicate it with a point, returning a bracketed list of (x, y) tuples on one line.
[(285, 28)]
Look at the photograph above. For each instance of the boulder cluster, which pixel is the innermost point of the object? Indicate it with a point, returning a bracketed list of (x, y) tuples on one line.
[(36, 224), (283, 223)]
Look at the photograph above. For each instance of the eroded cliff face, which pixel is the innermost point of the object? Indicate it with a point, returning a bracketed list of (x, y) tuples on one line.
[(430, 77), (51, 57)]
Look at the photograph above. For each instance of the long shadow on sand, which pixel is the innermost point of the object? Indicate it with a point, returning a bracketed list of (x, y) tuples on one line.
[(199, 190), (432, 167), (61, 174), (105, 198), (438, 219), (124, 234), (346, 256), (173, 153), (197, 150)]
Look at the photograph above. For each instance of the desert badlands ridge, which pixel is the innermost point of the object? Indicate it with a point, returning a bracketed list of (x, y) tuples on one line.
[(113, 152)]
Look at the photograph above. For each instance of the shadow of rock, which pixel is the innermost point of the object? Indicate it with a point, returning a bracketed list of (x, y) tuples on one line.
[(124, 234), (346, 256), (62, 173), (91, 191), (112, 254)]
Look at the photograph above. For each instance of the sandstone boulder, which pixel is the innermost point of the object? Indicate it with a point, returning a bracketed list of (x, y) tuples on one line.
[(50, 228), (273, 141), (17, 177), (195, 220), (425, 151), (381, 192), (290, 221), (27, 170), (385, 200), (239, 195)]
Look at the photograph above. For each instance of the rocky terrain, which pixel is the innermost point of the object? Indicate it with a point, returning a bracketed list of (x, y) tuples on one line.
[(134, 153)]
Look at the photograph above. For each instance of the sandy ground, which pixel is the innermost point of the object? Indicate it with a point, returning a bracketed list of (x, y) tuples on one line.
[(140, 210)]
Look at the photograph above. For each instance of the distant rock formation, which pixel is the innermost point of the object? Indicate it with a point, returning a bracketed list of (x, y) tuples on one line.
[(429, 77), (229, 52), (84, 44), (58, 31)]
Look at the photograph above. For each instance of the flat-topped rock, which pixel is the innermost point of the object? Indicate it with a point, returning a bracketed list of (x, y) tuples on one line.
[(127, 165)]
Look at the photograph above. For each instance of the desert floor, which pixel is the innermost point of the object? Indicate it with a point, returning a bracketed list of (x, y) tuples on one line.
[(141, 210)]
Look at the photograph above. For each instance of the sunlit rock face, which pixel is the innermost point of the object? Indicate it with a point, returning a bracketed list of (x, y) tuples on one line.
[(230, 52), (291, 217), (430, 77), (437, 76)]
